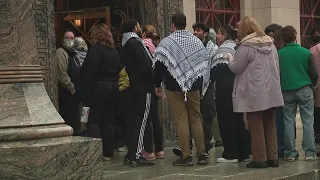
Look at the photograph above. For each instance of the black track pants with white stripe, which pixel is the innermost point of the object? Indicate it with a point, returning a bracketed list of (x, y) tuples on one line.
[(140, 112)]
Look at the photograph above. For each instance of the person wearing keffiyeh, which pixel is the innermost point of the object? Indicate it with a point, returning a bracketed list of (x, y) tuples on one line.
[(138, 64), (181, 58), (234, 136), (207, 110)]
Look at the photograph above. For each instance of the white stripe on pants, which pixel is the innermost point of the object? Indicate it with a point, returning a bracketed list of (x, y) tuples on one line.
[(143, 125)]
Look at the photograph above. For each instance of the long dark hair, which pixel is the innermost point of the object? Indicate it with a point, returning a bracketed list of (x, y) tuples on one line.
[(229, 31)]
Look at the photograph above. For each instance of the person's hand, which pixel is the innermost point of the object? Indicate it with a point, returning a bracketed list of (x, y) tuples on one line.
[(159, 92), (229, 57), (73, 91)]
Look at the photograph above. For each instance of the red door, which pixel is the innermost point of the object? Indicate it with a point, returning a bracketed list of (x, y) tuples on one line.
[(309, 18), (216, 13)]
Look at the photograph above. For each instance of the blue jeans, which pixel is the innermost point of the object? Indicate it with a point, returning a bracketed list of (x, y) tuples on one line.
[(304, 98), (280, 131)]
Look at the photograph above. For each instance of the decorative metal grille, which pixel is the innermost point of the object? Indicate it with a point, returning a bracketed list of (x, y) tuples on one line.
[(309, 18), (216, 13)]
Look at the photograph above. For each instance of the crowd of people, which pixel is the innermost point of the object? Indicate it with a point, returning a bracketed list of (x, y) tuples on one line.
[(239, 88)]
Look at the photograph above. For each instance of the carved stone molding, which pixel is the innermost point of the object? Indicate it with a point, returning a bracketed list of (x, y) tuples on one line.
[(43, 11)]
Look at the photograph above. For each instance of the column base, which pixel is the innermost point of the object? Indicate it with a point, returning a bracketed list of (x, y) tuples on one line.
[(53, 158)]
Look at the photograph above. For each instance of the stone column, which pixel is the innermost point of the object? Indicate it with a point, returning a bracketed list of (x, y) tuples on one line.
[(189, 9), (284, 12), (35, 143), (158, 13)]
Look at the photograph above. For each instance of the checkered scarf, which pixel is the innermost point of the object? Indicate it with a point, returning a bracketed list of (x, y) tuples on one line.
[(129, 35), (227, 47), (212, 48), (185, 57)]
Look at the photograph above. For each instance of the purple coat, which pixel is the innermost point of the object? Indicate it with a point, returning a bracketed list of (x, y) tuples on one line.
[(257, 82), (315, 51)]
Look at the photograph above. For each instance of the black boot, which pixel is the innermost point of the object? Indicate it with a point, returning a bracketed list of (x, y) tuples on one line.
[(254, 164), (273, 163), (141, 162), (126, 161)]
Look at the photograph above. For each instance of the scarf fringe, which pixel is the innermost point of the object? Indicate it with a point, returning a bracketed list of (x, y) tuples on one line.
[(182, 84), (220, 57)]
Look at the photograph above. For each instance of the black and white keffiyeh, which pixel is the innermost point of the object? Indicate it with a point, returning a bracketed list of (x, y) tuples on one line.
[(212, 49), (185, 57), (221, 56), (129, 35)]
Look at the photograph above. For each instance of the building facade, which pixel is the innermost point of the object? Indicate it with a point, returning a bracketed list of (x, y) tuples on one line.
[(304, 15)]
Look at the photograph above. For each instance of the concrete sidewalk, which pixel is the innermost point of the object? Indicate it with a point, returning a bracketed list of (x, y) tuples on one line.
[(214, 171)]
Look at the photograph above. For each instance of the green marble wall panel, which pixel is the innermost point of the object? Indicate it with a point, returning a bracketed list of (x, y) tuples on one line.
[(75, 158)]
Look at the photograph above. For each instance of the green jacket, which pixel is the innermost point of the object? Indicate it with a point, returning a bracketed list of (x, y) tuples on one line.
[(296, 67)]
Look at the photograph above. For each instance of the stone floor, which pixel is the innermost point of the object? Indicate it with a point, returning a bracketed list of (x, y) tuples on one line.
[(213, 171)]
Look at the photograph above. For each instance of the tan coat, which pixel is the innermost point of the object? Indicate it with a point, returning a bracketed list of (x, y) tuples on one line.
[(315, 51), (64, 80), (257, 82)]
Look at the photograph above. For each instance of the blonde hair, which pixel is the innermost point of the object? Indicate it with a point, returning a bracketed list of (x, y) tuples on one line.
[(249, 25)]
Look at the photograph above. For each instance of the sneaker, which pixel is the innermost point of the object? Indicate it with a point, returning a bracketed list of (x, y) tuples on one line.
[(141, 162), (311, 158), (291, 159), (218, 144), (223, 160), (202, 160), (178, 152), (273, 163), (123, 149), (149, 156), (254, 164), (106, 158), (183, 162), (207, 155), (159, 155)]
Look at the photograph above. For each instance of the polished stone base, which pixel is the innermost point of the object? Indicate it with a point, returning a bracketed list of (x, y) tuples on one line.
[(53, 158)]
